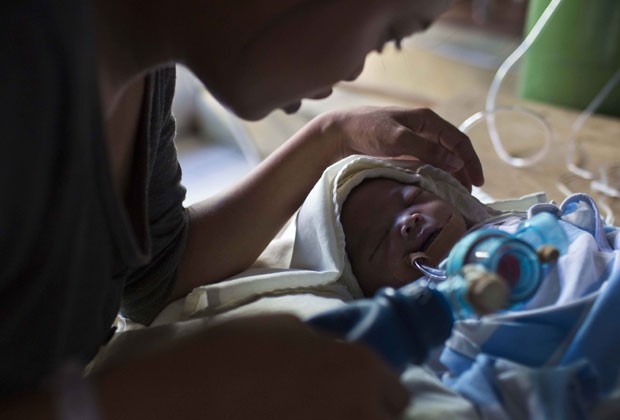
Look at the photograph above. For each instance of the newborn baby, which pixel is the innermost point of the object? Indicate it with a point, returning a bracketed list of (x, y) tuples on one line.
[(388, 225), (358, 230), (403, 211)]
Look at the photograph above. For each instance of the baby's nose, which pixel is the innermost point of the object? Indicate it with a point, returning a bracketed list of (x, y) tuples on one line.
[(410, 225)]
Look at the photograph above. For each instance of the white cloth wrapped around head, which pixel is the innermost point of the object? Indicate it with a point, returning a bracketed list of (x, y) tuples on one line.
[(320, 240)]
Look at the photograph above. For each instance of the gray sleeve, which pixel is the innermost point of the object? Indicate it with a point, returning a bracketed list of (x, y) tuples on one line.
[(148, 288)]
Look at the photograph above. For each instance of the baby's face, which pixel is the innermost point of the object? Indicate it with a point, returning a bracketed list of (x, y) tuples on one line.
[(385, 222)]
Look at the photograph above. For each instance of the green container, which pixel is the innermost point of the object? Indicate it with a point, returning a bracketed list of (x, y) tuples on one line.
[(577, 52)]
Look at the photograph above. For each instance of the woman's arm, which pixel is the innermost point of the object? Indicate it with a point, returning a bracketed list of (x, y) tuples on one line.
[(228, 232)]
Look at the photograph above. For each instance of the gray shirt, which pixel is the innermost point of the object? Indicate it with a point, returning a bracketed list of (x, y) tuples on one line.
[(70, 255)]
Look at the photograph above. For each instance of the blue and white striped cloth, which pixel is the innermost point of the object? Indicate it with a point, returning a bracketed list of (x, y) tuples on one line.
[(558, 357)]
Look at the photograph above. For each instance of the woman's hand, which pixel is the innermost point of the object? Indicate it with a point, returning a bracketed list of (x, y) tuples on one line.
[(400, 132)]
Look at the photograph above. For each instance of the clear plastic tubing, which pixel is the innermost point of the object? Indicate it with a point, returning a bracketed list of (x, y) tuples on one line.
[(491, 109), (572, 145)]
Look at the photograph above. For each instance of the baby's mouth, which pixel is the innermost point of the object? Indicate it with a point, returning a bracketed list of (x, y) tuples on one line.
[(430, 240), (438, 245)]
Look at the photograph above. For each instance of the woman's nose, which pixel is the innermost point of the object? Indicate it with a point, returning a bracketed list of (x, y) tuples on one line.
[(410, 225)]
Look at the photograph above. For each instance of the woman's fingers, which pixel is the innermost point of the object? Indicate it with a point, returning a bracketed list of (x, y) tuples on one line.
[(463, 177), (408, 142), (396, 131), (443, 145)]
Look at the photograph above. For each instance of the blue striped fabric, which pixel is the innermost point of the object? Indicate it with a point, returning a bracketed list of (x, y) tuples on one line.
[(559, 355)]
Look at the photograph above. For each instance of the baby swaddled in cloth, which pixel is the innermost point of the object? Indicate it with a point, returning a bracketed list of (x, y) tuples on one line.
[(359, 229), (318, 262), (555, 358), (399, 211)]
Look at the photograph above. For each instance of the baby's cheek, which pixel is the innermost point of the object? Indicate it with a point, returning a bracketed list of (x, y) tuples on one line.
[(404, 273), (447, 238)]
